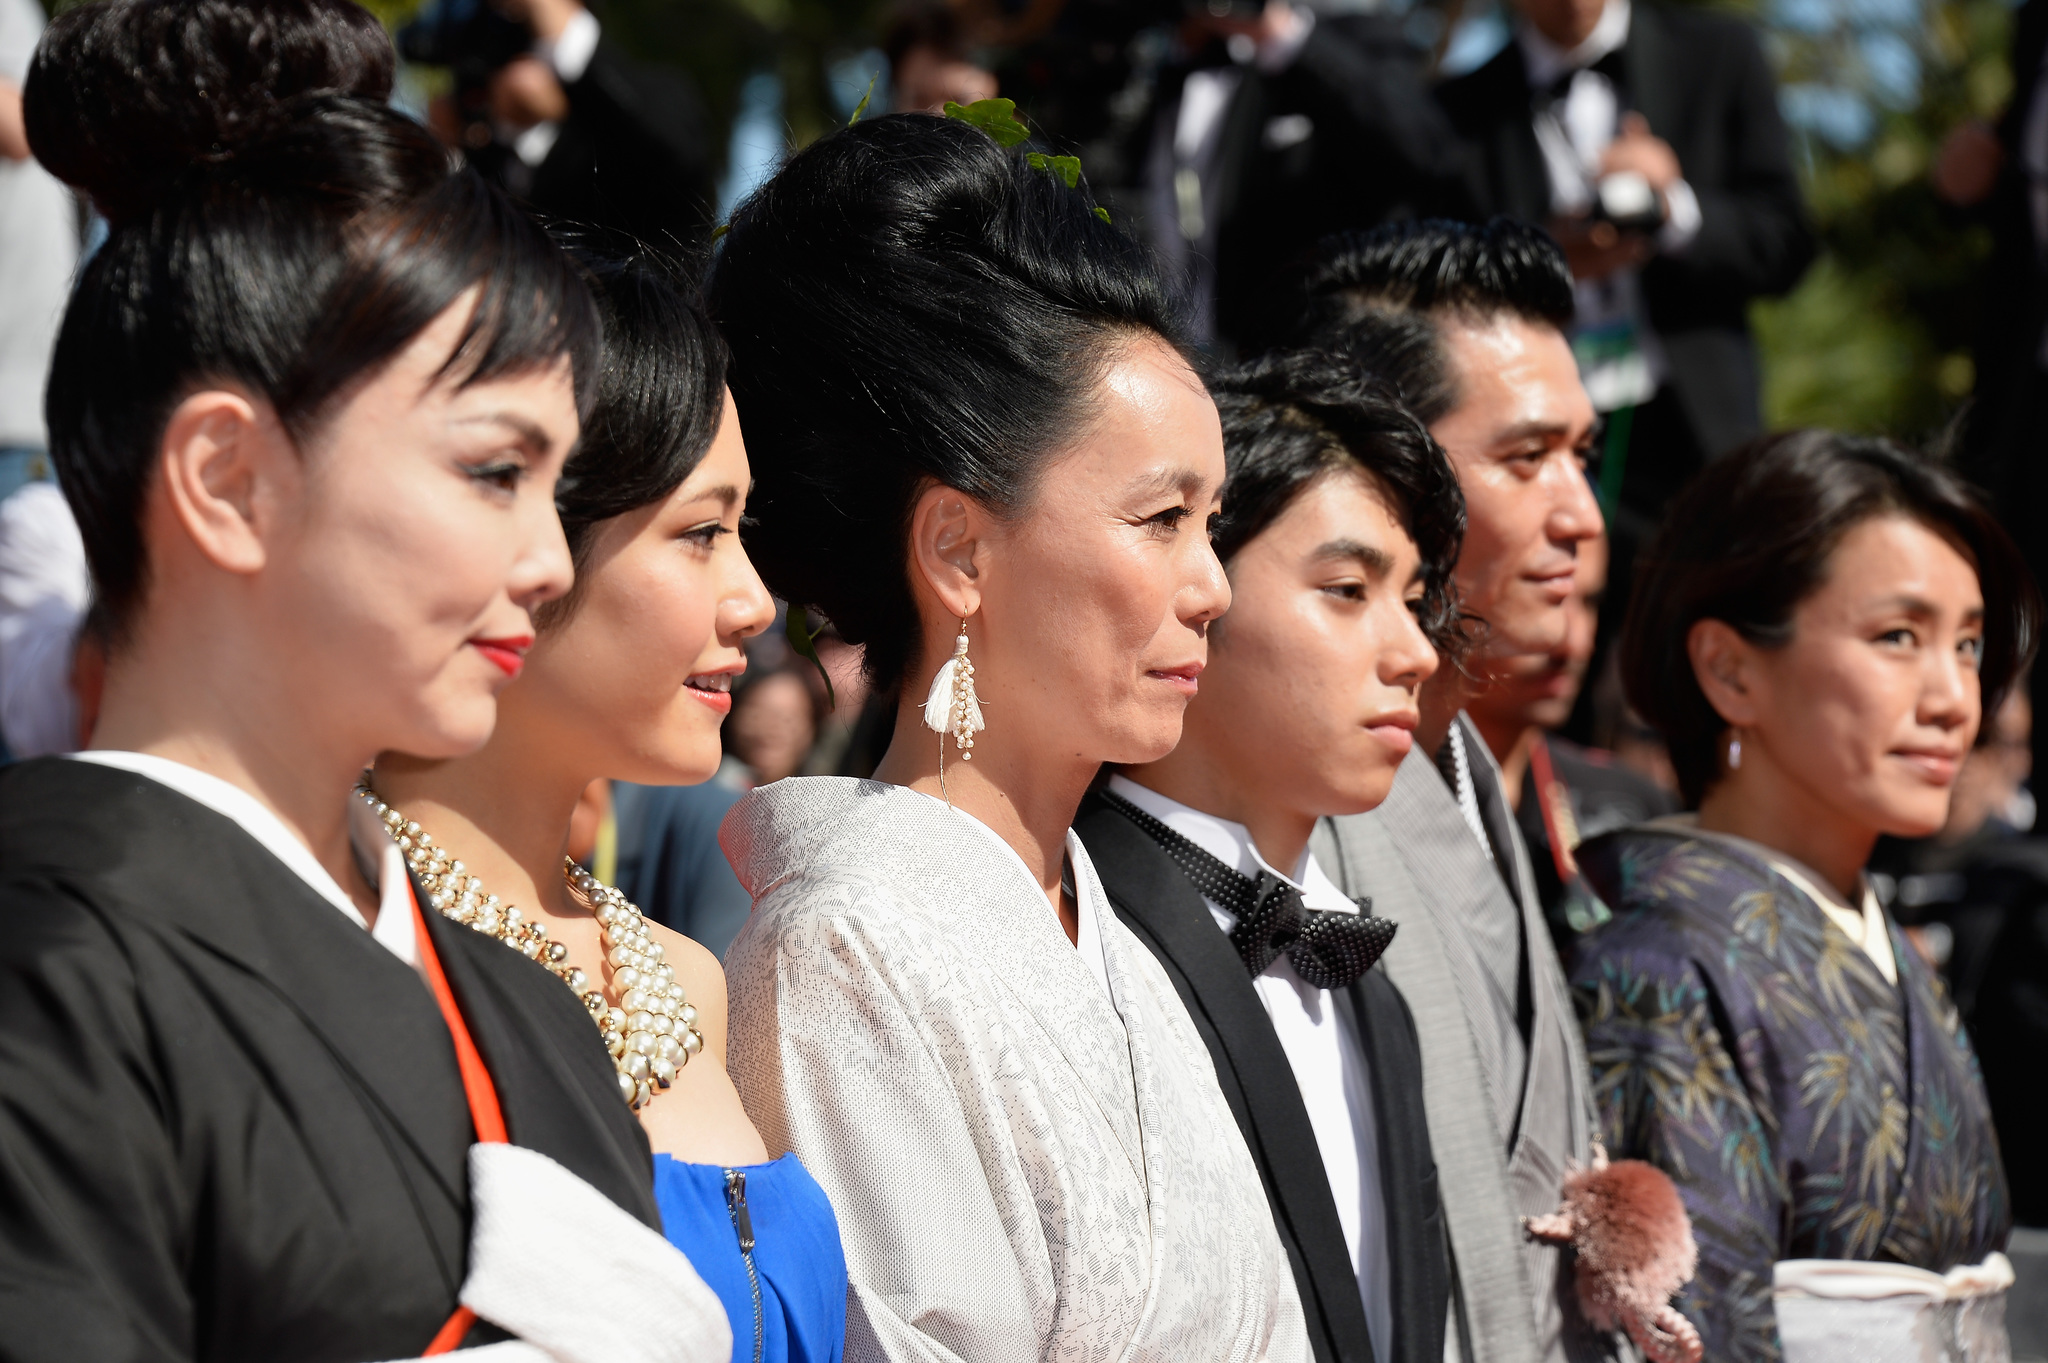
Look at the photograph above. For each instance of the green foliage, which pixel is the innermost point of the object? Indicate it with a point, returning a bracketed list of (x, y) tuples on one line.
[(1877, 336), (798, 629), (862, 107), (998, 118), (1068, 168)]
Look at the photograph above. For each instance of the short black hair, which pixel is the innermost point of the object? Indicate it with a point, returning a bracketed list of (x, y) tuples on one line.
[(908, 302), (660, 393), (1292, 417), (1751, 537), (1380, 297), (271, 222)]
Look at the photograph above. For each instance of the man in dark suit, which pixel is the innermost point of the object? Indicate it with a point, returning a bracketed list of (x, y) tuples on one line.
[(2001, 173), (1273, 131), (1342, 524), (1648, 138), (551, 110)]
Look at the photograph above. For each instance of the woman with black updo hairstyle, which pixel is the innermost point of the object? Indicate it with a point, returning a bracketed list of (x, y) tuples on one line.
[(978, 452), (630, 678), (309, 403), (1817, 632)]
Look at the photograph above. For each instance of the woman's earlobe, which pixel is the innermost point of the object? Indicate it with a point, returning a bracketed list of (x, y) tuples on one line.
[(215, 457), (945, 542)]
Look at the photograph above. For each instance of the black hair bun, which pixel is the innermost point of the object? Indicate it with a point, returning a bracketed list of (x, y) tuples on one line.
[(125, 96)]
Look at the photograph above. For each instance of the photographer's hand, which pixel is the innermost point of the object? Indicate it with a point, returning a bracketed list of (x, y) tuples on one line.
[(1638, 149)]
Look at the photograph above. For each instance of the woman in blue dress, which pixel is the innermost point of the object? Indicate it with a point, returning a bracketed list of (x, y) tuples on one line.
[(629, 678)]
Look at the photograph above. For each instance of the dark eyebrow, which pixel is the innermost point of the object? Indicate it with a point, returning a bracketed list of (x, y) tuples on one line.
[(1375, 559), (528, 431), (1526, 430), (1185, 481), (724, 492), (1921, 606)]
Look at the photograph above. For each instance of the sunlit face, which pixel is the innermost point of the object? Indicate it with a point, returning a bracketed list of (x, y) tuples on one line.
[(638, 678), (1539, 689), (1872, 705), (774, 727), (417, 546), (1310, 698), (1095, 610), (1518, 440)]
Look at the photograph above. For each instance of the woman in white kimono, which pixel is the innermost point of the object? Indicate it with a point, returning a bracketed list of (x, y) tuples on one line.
[(980, 456)]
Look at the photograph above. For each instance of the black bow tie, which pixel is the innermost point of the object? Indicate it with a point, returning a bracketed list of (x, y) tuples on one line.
[(1328, 950), (1614, 66)]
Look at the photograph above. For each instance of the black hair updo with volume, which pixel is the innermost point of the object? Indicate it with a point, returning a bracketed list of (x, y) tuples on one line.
[(908, 303), (272, 223)]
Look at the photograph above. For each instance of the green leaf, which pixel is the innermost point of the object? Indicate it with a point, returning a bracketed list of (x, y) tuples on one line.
[(1068, 168), (720, 230), (798, 628), (862, 107), (1102, 212), (996, 117)]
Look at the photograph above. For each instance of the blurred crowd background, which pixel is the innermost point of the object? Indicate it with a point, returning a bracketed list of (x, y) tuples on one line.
[(1885, 163)]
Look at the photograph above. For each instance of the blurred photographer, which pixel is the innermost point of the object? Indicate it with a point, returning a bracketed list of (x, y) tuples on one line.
[(548, 107), (1648, 138), (1276, 127)]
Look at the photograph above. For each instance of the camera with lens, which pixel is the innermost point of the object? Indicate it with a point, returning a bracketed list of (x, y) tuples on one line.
[(1625, 202), (469, 37)]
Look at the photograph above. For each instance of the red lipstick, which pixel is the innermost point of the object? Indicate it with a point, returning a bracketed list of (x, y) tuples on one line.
[(508, 653)]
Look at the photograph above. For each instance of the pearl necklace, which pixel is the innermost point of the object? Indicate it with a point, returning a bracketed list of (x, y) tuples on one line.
[(651, 1031)]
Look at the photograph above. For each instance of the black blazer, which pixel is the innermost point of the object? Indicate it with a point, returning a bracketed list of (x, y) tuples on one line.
[(231, 1124), (633, 157), (1155, 899), (1702, 82), (1345, 137)]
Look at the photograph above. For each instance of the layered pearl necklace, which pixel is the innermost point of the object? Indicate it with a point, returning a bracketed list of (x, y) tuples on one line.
[(651, 1031)]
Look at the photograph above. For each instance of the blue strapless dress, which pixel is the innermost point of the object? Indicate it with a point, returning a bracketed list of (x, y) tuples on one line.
[(763, 1237)]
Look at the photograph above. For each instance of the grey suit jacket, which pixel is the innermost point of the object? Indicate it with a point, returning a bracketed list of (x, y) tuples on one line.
[(1500, 1145)]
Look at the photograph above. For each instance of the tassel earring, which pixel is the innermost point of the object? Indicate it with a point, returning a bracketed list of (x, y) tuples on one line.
[(1735, 753), (951, 707)]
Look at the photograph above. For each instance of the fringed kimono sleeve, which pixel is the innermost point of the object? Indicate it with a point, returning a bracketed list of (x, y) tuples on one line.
[(1669, 1089), (848, 1050)]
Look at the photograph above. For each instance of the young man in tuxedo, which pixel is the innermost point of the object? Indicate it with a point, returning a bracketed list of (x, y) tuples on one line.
[(1340, 530), (1468, 324)]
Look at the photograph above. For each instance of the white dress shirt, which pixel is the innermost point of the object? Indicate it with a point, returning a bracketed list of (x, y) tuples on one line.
[(1322, 1046), (394, 929), (1621, 360)]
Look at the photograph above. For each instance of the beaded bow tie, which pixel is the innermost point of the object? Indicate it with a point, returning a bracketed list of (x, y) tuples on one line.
[(1328, 950)]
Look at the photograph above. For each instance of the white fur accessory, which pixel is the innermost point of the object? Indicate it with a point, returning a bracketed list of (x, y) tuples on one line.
[(574, 1276)]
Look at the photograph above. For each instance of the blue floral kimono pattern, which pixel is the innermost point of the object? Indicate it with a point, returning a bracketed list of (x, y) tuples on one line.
[(1805, 1106)]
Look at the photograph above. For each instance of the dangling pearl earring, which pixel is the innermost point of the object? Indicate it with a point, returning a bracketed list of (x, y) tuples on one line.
[(952, 707), (1735, 753)]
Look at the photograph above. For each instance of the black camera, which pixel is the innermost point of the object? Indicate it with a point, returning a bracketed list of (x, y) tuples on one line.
[(470, 37)]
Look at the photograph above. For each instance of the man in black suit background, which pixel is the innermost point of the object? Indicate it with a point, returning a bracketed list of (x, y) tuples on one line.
[(1276, 126), (1342, 521), (1647, 137), (2001, 173), (551, 110)]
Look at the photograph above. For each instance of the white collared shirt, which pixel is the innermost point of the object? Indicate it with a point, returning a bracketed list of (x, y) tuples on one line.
[(1322, 1046), (394, 930), (1577, 134)]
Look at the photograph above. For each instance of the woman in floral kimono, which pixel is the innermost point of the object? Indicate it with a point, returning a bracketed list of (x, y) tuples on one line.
[(1817, 635)]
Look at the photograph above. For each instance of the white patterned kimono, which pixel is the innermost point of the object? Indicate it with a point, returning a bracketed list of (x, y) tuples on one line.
[(1024, 1167)]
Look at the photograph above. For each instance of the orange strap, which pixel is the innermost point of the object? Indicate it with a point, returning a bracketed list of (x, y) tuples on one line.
[(1554, 801), (484, 1113)]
